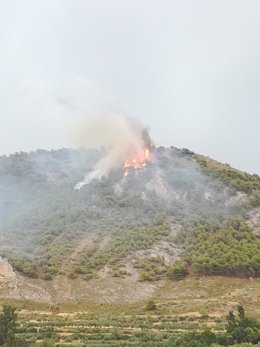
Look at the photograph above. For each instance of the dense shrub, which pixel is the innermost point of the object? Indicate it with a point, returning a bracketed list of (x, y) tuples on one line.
[(234, 178), (228, 248), (178, 270)]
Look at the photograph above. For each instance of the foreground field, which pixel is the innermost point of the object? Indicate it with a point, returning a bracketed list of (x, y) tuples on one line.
[(86, 329), (191, 305)]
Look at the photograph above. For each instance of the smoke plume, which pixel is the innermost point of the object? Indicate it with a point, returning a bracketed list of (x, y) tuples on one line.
[(121, 135)]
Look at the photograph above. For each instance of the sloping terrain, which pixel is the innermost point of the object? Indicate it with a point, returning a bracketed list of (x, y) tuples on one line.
[(120, 239), (188, 306)]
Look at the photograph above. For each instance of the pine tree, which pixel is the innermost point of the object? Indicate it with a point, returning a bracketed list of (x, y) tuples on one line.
[(8, 320)]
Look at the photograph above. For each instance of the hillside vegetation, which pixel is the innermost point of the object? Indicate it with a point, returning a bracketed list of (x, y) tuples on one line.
[(230, 248), (181, 214)]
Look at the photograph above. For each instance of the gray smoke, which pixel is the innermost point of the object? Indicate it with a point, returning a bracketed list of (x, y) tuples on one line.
[(121, 135)]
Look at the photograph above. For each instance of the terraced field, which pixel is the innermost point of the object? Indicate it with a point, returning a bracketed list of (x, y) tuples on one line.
[(85, 329), (191, 305)]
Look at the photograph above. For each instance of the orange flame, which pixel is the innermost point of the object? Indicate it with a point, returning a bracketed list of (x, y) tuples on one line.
[(138, 162)]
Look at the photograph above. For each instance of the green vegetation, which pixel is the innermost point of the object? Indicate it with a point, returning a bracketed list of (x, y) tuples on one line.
[(238, 180), (178, 270), (240, 330), (8, 320), (151, 305), (172, 221), (24, 265), (47, 343), (48, 229), (123, 245), (213, 248), (41, 329), (151, 268)]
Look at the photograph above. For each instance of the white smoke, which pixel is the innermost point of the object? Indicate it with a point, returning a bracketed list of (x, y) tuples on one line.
[(121, 135)]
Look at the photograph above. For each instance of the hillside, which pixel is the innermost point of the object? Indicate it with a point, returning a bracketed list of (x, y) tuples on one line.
[(123, 238)]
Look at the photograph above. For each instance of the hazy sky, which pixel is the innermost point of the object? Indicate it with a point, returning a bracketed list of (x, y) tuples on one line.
[(188, 69)]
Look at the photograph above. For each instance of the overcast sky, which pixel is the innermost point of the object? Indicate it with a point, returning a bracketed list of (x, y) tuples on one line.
[(188, 69)]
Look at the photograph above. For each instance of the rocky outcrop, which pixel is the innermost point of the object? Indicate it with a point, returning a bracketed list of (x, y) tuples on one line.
[(6, 270)]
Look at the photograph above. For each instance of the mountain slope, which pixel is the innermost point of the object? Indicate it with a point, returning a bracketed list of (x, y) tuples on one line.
[(149, 226)]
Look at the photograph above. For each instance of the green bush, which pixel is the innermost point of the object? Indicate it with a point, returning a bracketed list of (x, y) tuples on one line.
[(178, 270), (151, 305), (228, 248)]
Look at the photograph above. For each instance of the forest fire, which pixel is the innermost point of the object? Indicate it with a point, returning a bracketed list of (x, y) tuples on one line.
[(126, 142), (139, 161)]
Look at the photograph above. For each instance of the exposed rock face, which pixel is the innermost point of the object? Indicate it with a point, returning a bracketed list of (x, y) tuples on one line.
[(6, 270), (254, 219)]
